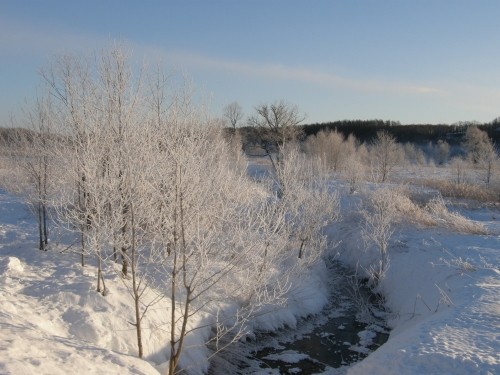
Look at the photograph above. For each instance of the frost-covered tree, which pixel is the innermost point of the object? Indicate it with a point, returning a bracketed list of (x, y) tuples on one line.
[(385, 154), (481, 150), (379, 213), (99, 114), (210, 231), (69, 83), (306, 199), (443, 152), (331, 147), (354, 172), (233, 114), (149, 176), (278, 123), (459, 166), (33, 154)]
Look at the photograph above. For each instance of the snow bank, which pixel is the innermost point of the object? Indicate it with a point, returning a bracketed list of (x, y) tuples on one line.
[(307, 296), (442, 289), (52, 320)]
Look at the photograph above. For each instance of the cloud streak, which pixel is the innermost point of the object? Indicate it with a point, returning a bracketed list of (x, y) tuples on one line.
[(298, 74), (22, 39)]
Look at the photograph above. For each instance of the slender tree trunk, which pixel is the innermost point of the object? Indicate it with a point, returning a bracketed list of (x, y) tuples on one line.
[(174, 361), (135, 283), (135, 286), (82, 242), (41, 245), (44, 200), (301, 250), (45, 230), (172, 364), (82, 226), (99, 272)]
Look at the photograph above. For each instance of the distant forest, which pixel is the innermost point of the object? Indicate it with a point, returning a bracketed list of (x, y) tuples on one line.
[(365, 131)]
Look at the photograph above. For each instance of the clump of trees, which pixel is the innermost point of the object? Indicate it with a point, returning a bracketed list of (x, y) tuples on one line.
[(148, 182)]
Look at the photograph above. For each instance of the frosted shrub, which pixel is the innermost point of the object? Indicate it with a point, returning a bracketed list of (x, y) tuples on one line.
[(385, 154), (433, 213), (411, 211), (452, 220), (353, 172), (379, 212)]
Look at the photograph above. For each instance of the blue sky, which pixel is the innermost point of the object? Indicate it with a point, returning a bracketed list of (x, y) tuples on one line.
[(420, 61)]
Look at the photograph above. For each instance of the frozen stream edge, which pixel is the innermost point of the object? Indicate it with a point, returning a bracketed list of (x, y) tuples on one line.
[(343, 333)]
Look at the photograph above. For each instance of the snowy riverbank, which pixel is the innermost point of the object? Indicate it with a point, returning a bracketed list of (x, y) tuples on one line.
[(441, 289)]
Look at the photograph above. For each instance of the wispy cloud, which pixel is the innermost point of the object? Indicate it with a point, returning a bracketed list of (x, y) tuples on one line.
[(23, 39), (299, 74)]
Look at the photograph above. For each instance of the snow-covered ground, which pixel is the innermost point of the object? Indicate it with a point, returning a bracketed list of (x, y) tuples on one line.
[(443, 292), (442, 289), (52, 320)]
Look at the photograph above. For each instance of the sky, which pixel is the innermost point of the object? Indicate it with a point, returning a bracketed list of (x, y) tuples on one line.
[(413, 61)]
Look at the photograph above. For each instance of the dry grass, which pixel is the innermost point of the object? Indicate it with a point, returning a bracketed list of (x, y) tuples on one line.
[(434, 213), (463, 191), (452, 220)]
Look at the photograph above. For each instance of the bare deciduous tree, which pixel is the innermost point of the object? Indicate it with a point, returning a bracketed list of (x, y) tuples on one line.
[(233, 113), (278, 124), (459, 166), (443, 152), (33, 146), (69, 82), (354, 172)]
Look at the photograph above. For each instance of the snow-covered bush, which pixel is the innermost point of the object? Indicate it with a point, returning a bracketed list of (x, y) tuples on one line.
[(379, 212), (434, 212), (452, 220)]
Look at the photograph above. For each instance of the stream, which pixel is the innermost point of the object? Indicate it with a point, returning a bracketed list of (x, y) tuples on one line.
[(349, 328)]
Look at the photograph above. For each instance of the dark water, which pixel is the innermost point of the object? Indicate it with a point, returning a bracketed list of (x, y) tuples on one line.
[(346, 331)]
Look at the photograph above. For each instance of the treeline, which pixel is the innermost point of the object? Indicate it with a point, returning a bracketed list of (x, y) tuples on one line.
[(366, 130), (363, 130)]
